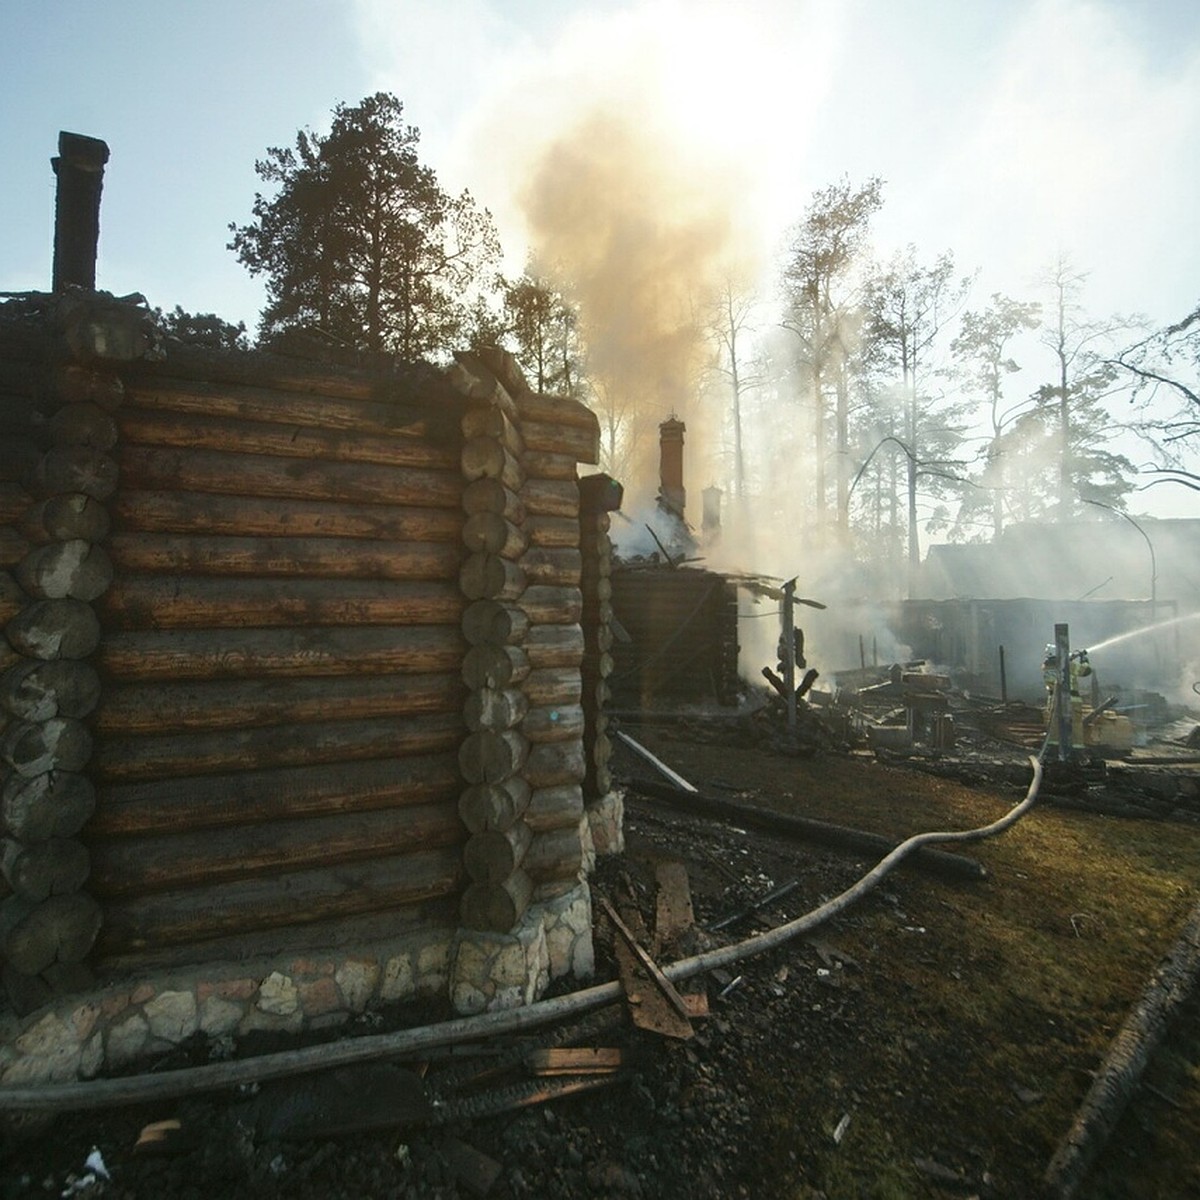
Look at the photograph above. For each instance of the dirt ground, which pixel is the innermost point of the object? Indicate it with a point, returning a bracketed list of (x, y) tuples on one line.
[(932, 1041)]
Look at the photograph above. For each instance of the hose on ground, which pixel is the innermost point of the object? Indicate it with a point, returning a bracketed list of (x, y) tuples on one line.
[(104, 1093)]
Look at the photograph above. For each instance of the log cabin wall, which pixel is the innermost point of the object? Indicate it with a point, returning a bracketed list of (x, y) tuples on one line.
[(334, 693)]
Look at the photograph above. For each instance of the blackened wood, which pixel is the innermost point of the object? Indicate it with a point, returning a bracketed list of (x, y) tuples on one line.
[(12, 597), (491, 496), (550, 604), (552, 567), (55, 629), (141, 865), (494, 666), (163, 602), (552, 764), (493, 805), (490, 533), (494, 621), (35, 747), (36, 870), (133, 758), (271, 902), (15, 502), (556, 854), (79, 168), (13, 547), (491, 756), (224, 473), (555, 808), (492, 855), (600, 494), (67, 469), (554, 646), (55, 804), (255, 516), (553, 723), (36, 690), (550, 498), (208, 802), (84, 424), (553, 685), (490, 577), (247, 703), (319, 651), (496, 907), (66, 518), (206, 432), (78, 568), (36, 934), (73, 383), (19, 458), (282, 556), (494, 708), (554, 533)]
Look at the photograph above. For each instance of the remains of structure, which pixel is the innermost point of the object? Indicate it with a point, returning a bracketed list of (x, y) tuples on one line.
[(302, 676)]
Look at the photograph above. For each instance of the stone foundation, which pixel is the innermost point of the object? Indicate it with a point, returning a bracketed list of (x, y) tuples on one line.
[(606, 817)]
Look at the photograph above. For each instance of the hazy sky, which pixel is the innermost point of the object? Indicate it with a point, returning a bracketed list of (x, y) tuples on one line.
[(1006, 130)]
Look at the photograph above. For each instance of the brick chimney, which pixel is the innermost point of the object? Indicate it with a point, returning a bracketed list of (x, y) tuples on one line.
[(671, 494)]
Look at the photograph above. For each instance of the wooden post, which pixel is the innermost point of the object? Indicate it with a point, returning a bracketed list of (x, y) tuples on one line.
[(789, 650), (1003, 679), (80, 171)]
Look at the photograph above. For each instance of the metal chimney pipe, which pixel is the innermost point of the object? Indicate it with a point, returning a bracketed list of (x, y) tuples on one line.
[(80, 171)]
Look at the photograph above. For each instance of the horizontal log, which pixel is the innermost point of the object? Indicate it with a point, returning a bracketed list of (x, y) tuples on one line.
[(491, 756), (152, 602), (492, 422), (553, 723), (494, 708), (555, 808), (13, 547), (553, 533), (193, 915), (55, 804), (66, 518), (298, 479), (492, 855), (142, 865), (489, 577), (557, 854), (139, 757), (12, 597), (283, 556), (494, 666), (554, 646), (15, 502), (580, 442), (265, 388), (553, 764), (319, 651), (252, 516), (557, 410), (70, 469), (37, 691), (76, 568), (491, 496), (552, 567), (84, 424), (599, 495), (40, 869), (35, 747), (234, 436), (75, 384), (540, 464), (495, 622), (551, 604), (209, 802), (496, 907), (247, 703), (35, 935), (550, 498), (490, 533), (553, 685), (19, 458), (493, 805), (485, 458)]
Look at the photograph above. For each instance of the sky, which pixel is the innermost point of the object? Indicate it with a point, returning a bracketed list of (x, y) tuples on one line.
[(1006, 131)]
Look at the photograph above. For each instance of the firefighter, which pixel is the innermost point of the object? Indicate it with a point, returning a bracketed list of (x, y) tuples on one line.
[(1079, 667)]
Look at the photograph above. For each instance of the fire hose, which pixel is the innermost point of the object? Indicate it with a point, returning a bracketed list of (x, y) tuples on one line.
[(103, 1093)]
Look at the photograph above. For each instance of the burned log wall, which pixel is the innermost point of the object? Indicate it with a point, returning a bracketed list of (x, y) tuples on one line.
[(682, 637), (333, 685)]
